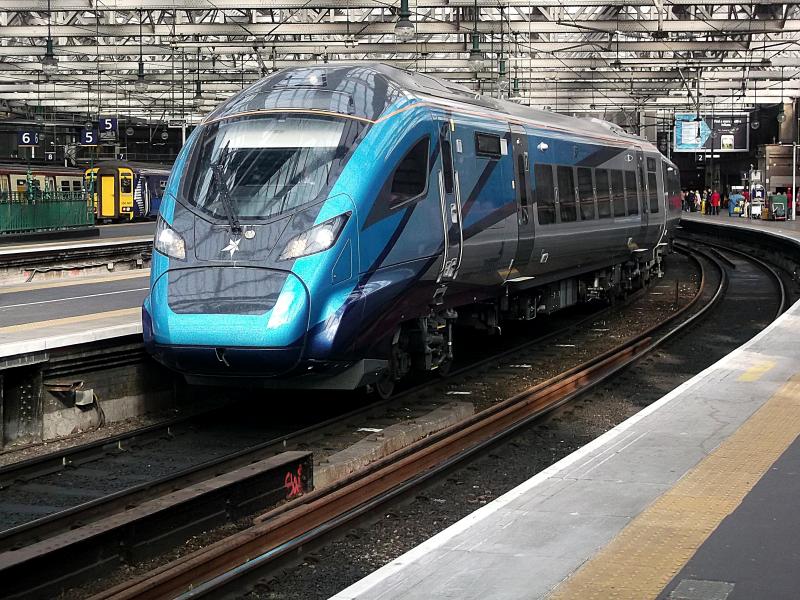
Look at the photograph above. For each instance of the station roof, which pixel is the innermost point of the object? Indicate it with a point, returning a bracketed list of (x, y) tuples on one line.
[(603, 58)]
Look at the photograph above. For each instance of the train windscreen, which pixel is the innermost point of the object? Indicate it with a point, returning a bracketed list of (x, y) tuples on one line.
[(269, 164)]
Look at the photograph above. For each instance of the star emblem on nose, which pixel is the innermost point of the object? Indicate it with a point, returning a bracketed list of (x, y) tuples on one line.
[(232, 247)]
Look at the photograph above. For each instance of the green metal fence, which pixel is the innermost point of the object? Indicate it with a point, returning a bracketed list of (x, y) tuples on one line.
[(22, 212)]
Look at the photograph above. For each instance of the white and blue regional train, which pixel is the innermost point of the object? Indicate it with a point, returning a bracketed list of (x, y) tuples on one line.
[(326, 226)]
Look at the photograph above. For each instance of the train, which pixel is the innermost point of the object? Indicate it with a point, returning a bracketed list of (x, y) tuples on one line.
[(22, 178), (124, 191), (327, 227)]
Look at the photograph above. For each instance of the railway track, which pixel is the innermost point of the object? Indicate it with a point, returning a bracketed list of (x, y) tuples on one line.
[(474, 434), (64, 531), (212, 570), (320, 511)]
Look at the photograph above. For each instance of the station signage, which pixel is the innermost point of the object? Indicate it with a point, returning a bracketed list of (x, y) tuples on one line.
[(107, 127), (719, 133), (50, 155), (27, 138), (88, 137)]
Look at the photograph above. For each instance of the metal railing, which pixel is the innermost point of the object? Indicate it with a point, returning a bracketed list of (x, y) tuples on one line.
[(22, 212)]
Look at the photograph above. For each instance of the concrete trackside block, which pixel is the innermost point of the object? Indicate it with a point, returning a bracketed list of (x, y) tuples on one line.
[(154, 522), (396, 437)]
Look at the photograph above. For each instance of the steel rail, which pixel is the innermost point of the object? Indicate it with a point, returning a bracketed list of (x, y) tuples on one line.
[(782, 306), (286, 528)]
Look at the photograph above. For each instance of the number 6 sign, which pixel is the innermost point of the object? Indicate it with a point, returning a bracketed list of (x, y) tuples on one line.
[(27, 138)]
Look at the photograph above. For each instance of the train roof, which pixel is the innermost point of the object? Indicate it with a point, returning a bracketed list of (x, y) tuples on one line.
[(367, 90), (136, 166), (7, 167)]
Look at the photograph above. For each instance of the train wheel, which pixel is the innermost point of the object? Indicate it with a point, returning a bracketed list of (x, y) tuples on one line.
[(384, 387)]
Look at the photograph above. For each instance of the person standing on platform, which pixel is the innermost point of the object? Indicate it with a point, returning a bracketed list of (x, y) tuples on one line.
[(696, 201), (715, 202)]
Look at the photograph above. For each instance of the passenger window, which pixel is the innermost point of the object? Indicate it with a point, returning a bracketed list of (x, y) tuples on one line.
[(652, 192), (603, 194), (586, 193), (618, 193), (487, 145), (651, 164), (631, 193), (447, 161), (566, 194), (545, 197), (411, 175)]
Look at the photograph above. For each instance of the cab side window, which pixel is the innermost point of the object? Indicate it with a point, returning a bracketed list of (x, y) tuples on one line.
[(410, 179)]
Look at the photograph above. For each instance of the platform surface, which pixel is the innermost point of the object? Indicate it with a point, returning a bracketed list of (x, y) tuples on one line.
[(693, 498), (110, 235), (782, 228), (41, 316)]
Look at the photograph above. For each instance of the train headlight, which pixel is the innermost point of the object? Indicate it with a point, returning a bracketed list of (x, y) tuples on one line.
[(168, 241), (318, 238)]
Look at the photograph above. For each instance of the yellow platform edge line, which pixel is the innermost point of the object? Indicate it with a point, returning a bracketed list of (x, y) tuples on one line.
[(656, 544), (123, 312)]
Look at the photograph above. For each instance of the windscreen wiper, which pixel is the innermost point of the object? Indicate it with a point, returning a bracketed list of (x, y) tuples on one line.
[(225, 197)]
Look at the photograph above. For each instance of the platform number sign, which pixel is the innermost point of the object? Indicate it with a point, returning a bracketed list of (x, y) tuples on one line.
[(50, 155), (108, 124), (88, 137), (27, 138), (107, 129)]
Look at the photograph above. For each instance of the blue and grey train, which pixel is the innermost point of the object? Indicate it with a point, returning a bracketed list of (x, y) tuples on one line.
[(326, 226)]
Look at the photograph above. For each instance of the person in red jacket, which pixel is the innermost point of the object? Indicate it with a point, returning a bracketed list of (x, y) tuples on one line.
[(715, 203)]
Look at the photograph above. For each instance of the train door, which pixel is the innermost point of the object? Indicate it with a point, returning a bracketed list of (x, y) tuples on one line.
[(522, 187), (125, 192), (90, 177), (107, 193), (450, 196)]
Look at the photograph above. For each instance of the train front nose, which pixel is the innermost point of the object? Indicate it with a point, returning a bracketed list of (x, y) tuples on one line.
[(228, 320)]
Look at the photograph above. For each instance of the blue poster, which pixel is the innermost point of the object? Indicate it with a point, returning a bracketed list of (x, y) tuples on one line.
[(720, 133)]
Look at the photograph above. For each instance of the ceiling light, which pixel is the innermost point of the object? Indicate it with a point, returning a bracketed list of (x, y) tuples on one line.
[(404, 28), (140, 85), (475, 55), (49, 62)]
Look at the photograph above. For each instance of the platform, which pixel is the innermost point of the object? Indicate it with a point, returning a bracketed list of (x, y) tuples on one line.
[(35, 317), (105, 234), (789, 229), (693, 498)]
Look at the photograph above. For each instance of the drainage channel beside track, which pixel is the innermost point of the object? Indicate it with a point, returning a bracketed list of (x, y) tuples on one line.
[(427, 396)]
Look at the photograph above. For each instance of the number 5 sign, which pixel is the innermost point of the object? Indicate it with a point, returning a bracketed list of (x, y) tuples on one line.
[(108, 124), (88, 137), (27, 138)]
